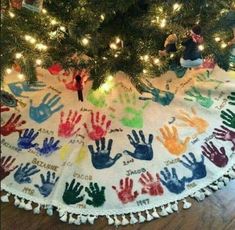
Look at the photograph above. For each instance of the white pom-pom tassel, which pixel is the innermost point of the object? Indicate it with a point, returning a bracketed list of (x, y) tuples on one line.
[(169, 209), (231, 174), (117, 222), (175, 206), (17, 201), (91, 219), (83, 219), (5, 198), (78, 220), (207, 192), (149, 216), (155, 214), (110, 220), (186, 205), (220, 184), (133, 220), (141, 218), (64, 217), (124, 220), (199, 196), (49, 210), (71, 219), (22, 204), (36, 210), (28, 206), (213, 187), (225, 180), (163, 211)]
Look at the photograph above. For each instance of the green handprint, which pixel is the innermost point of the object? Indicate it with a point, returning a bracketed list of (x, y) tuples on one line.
[(205, 77), (96, 194), (195, 95), (132, 113), (97, 98), (228, 117), (231, 98)]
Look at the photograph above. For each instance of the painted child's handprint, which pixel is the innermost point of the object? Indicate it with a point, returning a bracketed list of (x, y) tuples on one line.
[(6, 166), (192, 120), (228, 118), (97, 98), (66, 127), (215, 155), (101, 157), (133, 111), (48, 183), (151, 185), (23, 173), (46, 108), (172, 182), (195, 95), (3, 108), (49, 146), (172, 142), (96, 195), (143, 148), (205, 78), (72, 193), (231, 98), (17, 88), (125, 192), (197, 168), (99, 126), (12, 125), (25, 140), (225, 134)]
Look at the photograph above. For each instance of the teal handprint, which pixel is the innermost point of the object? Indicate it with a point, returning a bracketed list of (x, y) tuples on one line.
[(96, 194), (205, 77), (228, 118), (195, 95), (133, 112)]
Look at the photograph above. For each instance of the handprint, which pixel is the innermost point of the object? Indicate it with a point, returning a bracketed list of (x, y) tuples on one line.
[(225, 134), (7, 99), (133, 112), (49, 146), (96, 194), (66, 128), (172, 182), (12, 125), (195, 95), (45, 109), (205, 77), (228, 118), (125, 193), (193, 121), (48, 183), (6, 166), (25, 140), (97, 98), (99, 127), (3, 108), (17, 88), (101, 158), (231, 97), (72, 193), (23, 173), (218, 157), (172, 142), (197, 168), (143, 150), (151, 185)]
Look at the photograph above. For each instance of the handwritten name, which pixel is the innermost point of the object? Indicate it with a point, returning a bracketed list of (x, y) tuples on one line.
[(49, 132), (170, 162), (128, 162), (142, 202), (82, 176), (54, 89), (45, 165), (85, 109), (8, 145), (137, 171), (195, 141), (222, 105), (183, 84), (209, 138), (192, 185), (28, 191), (115, 130)]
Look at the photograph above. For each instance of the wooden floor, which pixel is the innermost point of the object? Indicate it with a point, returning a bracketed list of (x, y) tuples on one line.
[(215, 213)]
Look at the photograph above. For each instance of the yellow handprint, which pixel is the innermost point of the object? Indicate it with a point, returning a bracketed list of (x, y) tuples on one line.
[(172, 142), (193, 121)]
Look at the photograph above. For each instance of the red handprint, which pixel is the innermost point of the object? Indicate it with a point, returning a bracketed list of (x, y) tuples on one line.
[(3, 108), (66, 128), (6, 166), (151, 185), (11, 126), (125, 193), (98, 131)]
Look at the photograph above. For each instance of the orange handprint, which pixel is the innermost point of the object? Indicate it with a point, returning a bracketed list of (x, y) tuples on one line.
[(172, 142), (193, 121)]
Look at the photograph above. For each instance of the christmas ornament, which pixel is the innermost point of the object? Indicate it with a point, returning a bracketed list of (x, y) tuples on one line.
[(55, 69), (170, 45), (33, 5)]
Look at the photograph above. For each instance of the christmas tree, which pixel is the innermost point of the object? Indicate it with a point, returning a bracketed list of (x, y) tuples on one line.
[(107, 36)]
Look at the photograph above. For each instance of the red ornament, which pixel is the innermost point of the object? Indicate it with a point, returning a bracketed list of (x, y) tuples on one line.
[(55, 69)]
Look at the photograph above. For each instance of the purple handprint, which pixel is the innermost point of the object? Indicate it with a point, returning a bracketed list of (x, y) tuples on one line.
[(225, 134), (218, 157)]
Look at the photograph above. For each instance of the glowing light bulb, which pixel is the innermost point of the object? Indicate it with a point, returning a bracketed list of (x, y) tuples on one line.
[(217, 39), (44, 11), (231, 64), (145, 71), (172, 55), (32, 40), (176, 7), (146, 57), (53, 21), (27, 37), (118, 40), (12, 15), (38, 61), (113, 46), (62, 28), (156, 60), (223, 45), (163, 23), (102, 16), (8, 71), (115, 55), (20, 76), (110, 78), (85, 41), (18, 55), (40, 47), (201, 47)]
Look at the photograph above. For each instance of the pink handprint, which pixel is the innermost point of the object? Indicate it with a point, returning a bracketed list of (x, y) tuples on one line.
[(6, 166), (151, 185), (125, 193), (66, 128), (11, 125), (3, 108), (98, 130)]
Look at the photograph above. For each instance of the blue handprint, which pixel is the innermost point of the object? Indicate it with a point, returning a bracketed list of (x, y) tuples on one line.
[(17, 88), (143, 150), (48, 183), (25, 140), (23, 173), (45, 109), (49, 146), (198, 168), (172, 182), (101, 158)]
